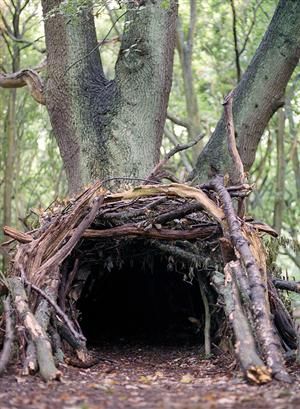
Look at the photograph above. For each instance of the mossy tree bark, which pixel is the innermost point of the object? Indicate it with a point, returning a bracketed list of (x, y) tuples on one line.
[(109, 127), (258, 95)]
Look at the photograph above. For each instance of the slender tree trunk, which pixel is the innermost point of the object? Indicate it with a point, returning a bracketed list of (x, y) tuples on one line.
[(294, 143), (9, 158), (259, 94), (185, 52), (11, 125), (109, 128), (280, 173)]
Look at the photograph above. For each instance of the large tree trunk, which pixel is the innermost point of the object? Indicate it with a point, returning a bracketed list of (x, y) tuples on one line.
[(109, 128), (258, 95)]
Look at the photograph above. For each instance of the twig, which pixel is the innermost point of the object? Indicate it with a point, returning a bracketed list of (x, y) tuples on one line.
[(184, 157), (178, 252), (178, 213), (129, 214), (71, 277), (17, 235), (177, 121), (172, 152), (207, 324)]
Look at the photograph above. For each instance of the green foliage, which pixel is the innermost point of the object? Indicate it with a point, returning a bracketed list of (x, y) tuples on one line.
[(165, 4)]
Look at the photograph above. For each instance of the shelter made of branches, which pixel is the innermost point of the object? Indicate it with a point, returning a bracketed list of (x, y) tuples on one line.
[(195, 231)]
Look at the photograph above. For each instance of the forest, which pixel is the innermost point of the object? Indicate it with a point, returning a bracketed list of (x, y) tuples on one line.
[(149, 178)]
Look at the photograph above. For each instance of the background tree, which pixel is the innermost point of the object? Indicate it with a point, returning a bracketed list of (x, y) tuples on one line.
[(259, 94), (29, 155)]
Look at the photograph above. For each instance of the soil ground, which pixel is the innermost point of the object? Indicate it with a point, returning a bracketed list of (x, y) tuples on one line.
[(151, 378)]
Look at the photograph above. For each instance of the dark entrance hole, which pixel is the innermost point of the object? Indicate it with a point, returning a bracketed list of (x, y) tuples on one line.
[(145, 299)]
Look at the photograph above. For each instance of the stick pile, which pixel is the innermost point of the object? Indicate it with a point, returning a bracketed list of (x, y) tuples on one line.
[(40, 278), (38, 287)]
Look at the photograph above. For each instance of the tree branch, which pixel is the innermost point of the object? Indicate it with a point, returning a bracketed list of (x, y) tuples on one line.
[(172, 152), (22, 78), (287, 285), (243, 48), (173, 139), (235, 39), (177, 121)]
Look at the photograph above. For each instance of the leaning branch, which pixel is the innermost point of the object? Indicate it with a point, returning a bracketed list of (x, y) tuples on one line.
[(58, 310), (264, 326), (236, 173), (245, 348), (40, 338)]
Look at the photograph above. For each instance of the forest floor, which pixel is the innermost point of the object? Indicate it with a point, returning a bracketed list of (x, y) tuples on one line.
[(151, 378)]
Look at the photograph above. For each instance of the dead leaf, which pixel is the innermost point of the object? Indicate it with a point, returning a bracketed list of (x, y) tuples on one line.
[(187, 378)]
